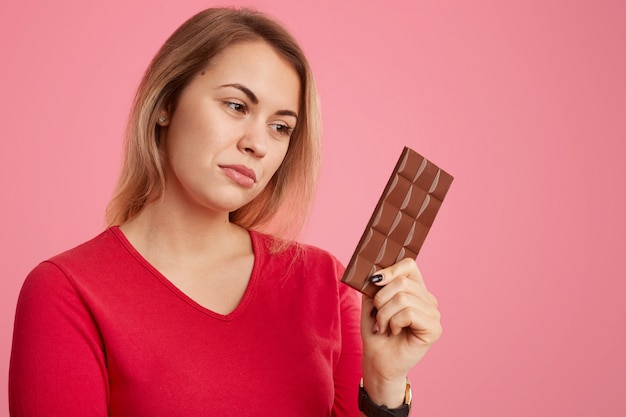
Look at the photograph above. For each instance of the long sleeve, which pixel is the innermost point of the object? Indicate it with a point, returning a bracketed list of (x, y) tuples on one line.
[(348, 370), (57, 361)]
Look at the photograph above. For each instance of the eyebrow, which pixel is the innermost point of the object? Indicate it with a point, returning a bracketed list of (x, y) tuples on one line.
[(254, 99)]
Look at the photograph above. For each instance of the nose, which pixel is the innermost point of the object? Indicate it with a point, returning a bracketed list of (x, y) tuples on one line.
[(254, 139)]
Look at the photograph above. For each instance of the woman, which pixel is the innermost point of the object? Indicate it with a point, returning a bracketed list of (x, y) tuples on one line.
[(184, 307)]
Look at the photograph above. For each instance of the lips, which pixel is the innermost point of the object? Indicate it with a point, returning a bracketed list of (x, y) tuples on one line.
[(241, 174)]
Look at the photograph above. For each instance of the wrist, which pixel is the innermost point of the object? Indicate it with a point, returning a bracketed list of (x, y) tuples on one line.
[(370, 407), (384, 389), (390, 393)]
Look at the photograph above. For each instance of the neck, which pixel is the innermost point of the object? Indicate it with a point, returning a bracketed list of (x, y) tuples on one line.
[(162, 233)]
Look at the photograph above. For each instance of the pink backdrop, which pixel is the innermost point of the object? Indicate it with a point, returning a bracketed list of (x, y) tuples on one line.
[(524, 102)]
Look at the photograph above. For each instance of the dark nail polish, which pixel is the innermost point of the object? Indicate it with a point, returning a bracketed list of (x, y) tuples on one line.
[(376, 278), (374, 312)]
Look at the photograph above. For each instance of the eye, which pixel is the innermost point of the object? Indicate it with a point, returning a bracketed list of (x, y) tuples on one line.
[(236, 106), (282, 129)]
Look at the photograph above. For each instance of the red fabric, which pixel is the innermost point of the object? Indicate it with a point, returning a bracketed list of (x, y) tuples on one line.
[(99, 332)]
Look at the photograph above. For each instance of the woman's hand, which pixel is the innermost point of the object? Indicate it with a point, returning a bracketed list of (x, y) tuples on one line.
[(398, 326)]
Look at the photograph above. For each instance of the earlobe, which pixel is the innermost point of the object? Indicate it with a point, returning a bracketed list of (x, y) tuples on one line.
[(163, 119)]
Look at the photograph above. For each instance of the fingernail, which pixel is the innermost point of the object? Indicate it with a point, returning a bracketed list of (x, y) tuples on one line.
[(376, 329), (374, 312), (376, 278)]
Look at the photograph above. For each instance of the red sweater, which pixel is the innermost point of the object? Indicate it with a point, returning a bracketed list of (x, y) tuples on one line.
[(100, 332)]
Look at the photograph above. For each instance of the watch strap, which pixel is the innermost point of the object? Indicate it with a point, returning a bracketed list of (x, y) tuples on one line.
[(370, 409)]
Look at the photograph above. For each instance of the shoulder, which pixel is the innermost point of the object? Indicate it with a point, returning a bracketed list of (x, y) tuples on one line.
[(87, 259), (310, 275), (53, 279), (95, 249), (297, 254)]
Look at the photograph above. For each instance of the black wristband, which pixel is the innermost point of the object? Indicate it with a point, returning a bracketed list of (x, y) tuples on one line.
[(370, 409)]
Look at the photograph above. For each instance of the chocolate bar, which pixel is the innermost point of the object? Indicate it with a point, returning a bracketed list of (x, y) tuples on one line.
[(402, 218)]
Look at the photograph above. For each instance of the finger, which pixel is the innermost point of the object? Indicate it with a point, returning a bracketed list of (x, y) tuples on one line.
[(404, 302), (403, 285), (368, 316), (405, 267), (424, 327)]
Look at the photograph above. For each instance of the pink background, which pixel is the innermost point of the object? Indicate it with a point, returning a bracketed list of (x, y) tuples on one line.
[(524, 102)]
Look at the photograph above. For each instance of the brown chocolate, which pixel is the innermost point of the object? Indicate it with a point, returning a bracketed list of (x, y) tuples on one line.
[(402, 218)]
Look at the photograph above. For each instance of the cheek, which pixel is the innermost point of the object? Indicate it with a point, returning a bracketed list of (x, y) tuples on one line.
[(272, 166), (185, 158), (281, 154)]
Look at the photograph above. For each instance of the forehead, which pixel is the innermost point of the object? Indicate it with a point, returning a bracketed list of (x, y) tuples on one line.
[(258, 66)]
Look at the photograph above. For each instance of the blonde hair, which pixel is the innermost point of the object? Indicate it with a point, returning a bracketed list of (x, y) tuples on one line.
[(283, 205)]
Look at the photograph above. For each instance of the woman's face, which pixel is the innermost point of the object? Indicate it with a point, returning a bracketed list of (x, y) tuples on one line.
[(230, 129)]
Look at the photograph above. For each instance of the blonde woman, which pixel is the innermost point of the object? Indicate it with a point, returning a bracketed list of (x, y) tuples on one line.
[(195, 301)]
